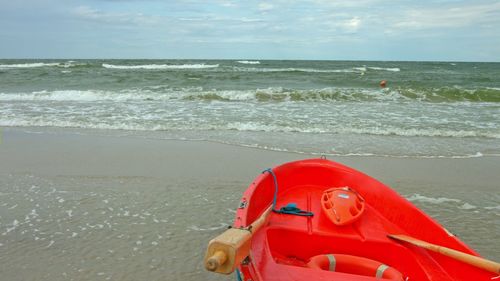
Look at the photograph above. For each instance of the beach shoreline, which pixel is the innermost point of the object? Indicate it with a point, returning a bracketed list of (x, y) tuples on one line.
[(191, 175)]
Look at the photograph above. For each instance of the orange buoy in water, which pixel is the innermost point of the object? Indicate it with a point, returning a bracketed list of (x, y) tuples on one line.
[(383, 83)]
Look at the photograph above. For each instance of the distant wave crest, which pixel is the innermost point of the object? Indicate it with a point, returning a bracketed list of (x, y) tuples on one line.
[(361, 69), (392, 69), (248, 61), (66, 64), (161, 66), (294, 69), (28, 65)]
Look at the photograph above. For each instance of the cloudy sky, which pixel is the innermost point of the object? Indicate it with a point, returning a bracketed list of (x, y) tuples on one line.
[(446, 30)]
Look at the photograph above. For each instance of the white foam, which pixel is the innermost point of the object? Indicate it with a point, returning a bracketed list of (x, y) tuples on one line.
[(28, 65), (392, 69), (161, 66), (292, 69), (362, 68), (250, 127), (196, 228), (41, 64), (64, 95), (50, 243), (420, 198), (259, 127), (467, 206), (248, 61)]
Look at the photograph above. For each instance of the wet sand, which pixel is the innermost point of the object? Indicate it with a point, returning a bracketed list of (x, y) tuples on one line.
[(84, 206)]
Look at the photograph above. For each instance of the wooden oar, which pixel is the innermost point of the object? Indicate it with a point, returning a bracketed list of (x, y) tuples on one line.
[(463, 257), (226, 251)]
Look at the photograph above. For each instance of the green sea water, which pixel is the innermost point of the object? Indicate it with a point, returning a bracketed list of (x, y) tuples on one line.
[(428, 109)]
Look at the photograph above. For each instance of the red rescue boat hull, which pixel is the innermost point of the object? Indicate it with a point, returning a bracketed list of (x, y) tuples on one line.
[(285, 248)]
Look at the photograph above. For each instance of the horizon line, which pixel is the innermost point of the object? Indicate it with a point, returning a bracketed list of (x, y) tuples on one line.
[(254, 59)]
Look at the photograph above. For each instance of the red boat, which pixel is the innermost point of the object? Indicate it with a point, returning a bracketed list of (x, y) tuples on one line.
[(331, 222)]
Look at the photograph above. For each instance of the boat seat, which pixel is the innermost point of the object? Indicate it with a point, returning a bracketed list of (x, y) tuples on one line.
[(354, 265)]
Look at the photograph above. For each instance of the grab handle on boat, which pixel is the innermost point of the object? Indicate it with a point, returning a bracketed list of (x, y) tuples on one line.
[(226, 251), (476, 261)]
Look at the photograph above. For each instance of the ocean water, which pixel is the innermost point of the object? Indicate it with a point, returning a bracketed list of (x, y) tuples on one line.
[(93, 227), (429, 109)]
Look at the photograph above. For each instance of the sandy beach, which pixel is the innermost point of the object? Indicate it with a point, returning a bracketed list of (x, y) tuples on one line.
[(77, 206)]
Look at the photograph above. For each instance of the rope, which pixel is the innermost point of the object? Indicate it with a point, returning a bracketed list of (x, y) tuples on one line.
[(290, 208), (238, 275)]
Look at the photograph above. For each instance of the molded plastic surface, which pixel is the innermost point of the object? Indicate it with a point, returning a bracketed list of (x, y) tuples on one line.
[(342, 205)]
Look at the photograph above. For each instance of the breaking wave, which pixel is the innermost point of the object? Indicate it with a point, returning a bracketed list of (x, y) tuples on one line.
[(28, 65), (451, 94), (248, 61), (392, 69), (360, 70), (161, 66), (41, 64), (277, 94), (293, 69)]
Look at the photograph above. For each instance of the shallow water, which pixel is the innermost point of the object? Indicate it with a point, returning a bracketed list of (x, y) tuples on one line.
[(108, 228), (143, 228)]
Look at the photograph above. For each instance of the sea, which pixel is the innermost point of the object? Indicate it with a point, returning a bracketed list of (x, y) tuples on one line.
[(102, 226), (427, 110)]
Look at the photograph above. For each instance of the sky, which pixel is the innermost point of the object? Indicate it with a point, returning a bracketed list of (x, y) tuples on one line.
[(438, 30)]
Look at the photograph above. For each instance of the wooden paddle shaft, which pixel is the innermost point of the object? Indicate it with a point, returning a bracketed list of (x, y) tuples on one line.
[(463, 257), (226, 251)]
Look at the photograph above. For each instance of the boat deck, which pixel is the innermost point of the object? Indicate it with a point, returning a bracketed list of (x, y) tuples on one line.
[(293, 240)]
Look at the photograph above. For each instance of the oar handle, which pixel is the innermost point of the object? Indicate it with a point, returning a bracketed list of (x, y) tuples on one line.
[(226, 251), (216, 260), (476, 261)]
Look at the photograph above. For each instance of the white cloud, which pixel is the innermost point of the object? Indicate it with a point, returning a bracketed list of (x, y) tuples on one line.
[(228, 4), (450, 16), (88, 13), (352, 25), (265, 6)]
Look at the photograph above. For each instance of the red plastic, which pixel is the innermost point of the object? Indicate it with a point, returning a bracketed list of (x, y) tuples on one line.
[(342, 205), (354, 265), (281, 249)]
